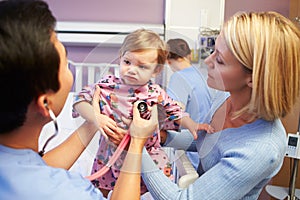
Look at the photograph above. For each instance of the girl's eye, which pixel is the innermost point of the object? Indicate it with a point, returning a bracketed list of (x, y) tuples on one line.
[(126, 62), (142, 67)]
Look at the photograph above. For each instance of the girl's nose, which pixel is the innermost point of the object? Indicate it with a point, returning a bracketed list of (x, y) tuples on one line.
[(132, 69)]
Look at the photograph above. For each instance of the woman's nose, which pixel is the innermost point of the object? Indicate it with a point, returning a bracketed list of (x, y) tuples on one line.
[(208, 60)]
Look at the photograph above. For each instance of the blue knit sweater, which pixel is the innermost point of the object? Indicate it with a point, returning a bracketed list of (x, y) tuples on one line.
[(235, 163)]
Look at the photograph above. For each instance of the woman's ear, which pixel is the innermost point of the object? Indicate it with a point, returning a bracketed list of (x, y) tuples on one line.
[(250, 83)]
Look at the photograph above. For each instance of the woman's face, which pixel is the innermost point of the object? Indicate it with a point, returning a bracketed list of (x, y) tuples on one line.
[(65, 76), (225, 72)]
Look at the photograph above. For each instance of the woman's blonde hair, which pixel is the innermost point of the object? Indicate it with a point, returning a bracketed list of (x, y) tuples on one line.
[(141, 40), (268, 45)]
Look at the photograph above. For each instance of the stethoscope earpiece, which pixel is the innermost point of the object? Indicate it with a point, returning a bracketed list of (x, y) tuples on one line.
[(46, 104)]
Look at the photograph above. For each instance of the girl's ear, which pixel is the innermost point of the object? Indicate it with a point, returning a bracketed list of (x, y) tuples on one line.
[(157, 70)]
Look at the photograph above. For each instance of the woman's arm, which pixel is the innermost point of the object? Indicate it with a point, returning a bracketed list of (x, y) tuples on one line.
[(182, 140), (238, 170)]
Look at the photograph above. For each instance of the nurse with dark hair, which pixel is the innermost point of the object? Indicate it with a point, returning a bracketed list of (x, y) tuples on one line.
[(35, 81)]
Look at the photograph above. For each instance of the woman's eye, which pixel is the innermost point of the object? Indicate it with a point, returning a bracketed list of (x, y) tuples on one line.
[(219, 61)]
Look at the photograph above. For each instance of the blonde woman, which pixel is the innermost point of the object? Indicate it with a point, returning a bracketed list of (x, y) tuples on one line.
[(257, 61)]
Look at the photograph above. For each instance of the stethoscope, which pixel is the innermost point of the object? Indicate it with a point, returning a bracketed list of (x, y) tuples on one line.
[(112, 160), (144, 113), (54, 119), (143, 109)]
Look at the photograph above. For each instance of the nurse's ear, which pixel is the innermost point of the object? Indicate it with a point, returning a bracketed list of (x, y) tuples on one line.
[(43, 105)]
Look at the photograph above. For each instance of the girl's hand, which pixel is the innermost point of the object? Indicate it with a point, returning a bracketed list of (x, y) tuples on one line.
[(206, 127), (107, 126), (201, 127)]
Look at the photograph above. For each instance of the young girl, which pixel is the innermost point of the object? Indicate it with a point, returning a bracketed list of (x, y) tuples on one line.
[(142, 57)]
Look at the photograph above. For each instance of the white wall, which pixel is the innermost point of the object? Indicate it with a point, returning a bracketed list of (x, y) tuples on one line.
[(186, 17)]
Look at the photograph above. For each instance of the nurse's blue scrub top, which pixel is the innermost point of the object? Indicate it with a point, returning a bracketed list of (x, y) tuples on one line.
[(24, 175)]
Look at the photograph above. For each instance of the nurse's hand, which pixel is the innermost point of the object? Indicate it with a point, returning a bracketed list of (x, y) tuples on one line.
[(142, 128)]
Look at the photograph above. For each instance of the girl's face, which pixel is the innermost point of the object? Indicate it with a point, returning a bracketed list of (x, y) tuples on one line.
[(137, 68), (65, 76), (225, 72)]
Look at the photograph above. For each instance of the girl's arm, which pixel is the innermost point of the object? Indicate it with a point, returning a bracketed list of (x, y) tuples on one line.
[(65, 154), (194, 127), (92, 114)]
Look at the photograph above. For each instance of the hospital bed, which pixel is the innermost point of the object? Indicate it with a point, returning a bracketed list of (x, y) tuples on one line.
[(84, 73), (87, 73)]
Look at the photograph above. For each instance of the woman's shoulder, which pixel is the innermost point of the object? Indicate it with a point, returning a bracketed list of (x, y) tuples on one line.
[(260, 138), (267, 132), (261, 142)]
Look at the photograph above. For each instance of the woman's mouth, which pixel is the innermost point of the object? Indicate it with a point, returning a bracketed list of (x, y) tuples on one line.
[(209, 76)]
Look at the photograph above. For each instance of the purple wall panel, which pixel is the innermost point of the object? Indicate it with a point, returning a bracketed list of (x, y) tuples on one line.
[(131, 11), (233, 6), (89, 54), (137, 11), (128, 11)]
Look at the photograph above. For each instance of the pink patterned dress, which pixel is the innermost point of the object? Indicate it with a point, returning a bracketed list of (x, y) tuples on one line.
[(116, 101)]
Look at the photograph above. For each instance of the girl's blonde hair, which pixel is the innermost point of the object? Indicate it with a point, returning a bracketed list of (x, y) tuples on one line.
[(268, 45), (141, 40)]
